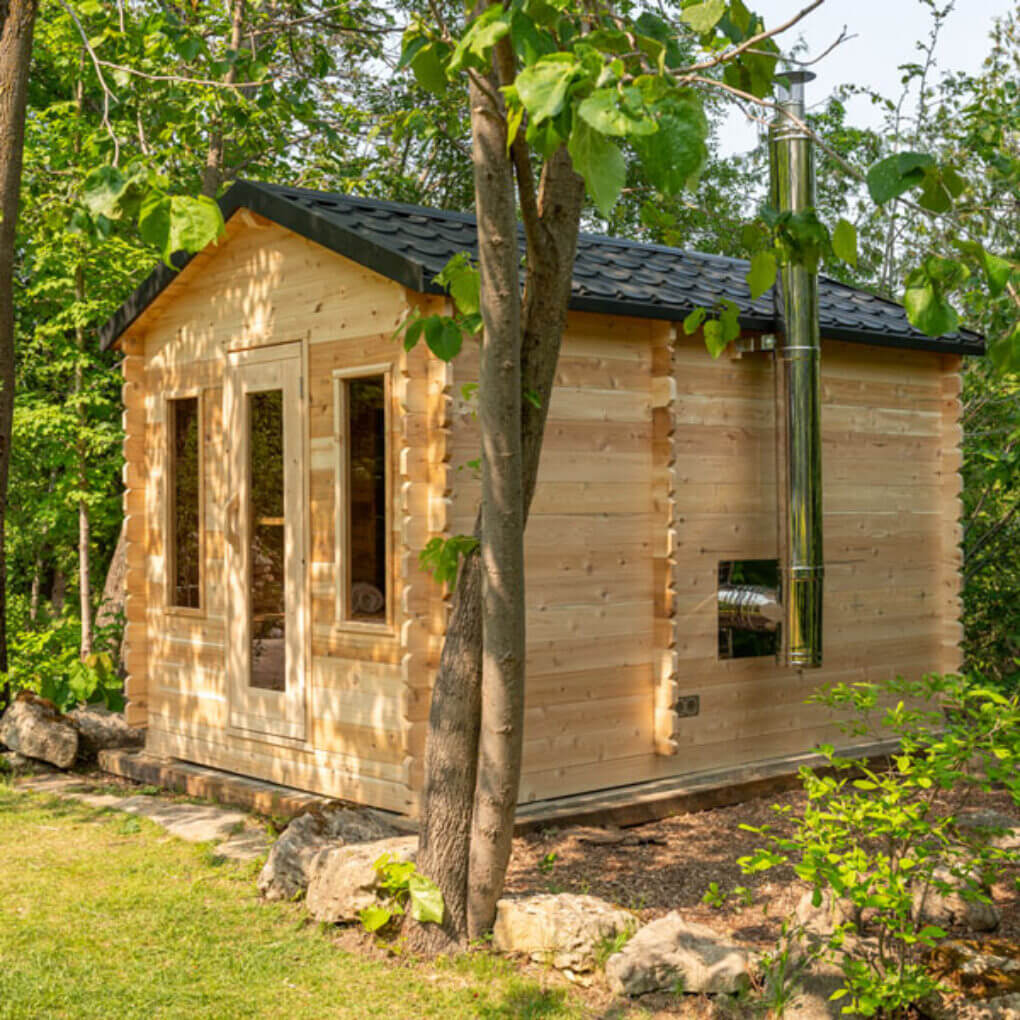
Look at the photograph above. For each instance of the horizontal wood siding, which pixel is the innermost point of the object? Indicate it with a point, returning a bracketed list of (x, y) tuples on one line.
[(591, 541), (261, 287)]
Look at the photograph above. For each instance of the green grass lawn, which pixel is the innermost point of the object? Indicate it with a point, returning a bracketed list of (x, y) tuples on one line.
[(105, 916)]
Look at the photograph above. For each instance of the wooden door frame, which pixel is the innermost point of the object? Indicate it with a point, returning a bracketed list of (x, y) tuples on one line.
[(253, 712)]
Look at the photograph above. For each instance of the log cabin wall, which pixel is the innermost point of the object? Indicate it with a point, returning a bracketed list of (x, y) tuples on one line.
[(262, 287), (658, 465)]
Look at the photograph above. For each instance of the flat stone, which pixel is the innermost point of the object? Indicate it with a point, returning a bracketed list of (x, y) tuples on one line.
[(564, 930), (672, 953), (36, 728), (343, 880), (56, 783), (249, 845), (286, 872), (194, 823)]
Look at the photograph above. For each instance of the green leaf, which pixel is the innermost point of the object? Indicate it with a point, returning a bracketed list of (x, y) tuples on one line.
[(443, 337), (997, 271), (694, 320), (703, 17), (543, 86), (675, 155), (602, 111), (762, 273), (485, 31), (375, 917), (714, 339), (102, 191), (891, 177), (463, 282), (924, 296), (600, 163), (844, 242), (427, 905), (529, 41), (729, 318), (428, 67)]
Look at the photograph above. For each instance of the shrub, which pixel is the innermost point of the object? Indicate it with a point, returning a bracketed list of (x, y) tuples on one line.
[(879, 838), (45, 659)]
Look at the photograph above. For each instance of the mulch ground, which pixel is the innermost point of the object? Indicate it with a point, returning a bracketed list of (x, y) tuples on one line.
[(669, 865)]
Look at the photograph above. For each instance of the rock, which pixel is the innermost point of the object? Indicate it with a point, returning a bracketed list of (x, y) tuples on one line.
[(564, 930), (285, 874), (945, 910), (99, 729), (673, 954), (812, 999), (1003, 1007), (249, 845), (16, 762), (34, 727), (342, 880), (980, 826), (831, 912)]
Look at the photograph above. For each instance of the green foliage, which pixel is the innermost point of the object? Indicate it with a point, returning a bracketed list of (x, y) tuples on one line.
[(401, 884), (441, 557), (878, 839), (45, 659)]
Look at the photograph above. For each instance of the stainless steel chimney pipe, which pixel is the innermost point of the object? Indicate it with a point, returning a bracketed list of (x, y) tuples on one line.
[(798, 395)]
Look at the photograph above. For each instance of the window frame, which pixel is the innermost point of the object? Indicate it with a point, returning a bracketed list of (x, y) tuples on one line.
[(196, 393), (341, 517)]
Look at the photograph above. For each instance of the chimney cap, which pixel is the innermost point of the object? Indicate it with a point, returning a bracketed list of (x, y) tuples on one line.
[(795, 77)]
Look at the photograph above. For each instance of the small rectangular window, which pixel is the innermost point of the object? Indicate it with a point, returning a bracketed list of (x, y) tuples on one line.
[(185, 502), (363, 513)]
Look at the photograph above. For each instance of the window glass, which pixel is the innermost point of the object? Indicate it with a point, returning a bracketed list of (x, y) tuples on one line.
[(366, 498), (185, 438), (267, 550)]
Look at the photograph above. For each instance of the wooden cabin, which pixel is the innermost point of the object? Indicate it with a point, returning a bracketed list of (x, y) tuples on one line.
[(287, 461)]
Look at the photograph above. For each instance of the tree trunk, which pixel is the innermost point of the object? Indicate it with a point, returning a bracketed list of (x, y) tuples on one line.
[(452, 747), (502, 539), (33, 610), (17, 20), (84, 529), (212, 172)]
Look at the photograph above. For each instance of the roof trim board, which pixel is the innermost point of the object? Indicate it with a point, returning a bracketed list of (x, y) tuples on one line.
[(410, 244)]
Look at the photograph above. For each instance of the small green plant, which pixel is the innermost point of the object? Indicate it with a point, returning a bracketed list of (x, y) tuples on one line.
[(884, 840), (401, 884), (716, 897), (548, 863), (609, 945)]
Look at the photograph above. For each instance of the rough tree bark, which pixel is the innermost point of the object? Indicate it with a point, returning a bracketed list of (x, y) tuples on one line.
[(17, 21), (502, 537)]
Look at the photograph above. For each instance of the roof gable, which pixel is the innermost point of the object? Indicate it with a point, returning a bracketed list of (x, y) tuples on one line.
[(410, 245)]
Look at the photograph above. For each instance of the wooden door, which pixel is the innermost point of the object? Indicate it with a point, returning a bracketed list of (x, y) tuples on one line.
[(264, 414)]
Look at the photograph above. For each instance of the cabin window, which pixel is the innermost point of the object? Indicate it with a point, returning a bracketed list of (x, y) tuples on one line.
[(185, 559), (363, 518), (741, 642)]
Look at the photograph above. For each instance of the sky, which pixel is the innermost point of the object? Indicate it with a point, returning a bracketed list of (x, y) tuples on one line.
[(885, 32)]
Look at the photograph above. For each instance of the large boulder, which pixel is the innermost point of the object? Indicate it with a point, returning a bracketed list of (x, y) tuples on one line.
[(672, 954), (99, 729), (564, 930), (285, 874), (35, 727), (932, 906), (343, 880)]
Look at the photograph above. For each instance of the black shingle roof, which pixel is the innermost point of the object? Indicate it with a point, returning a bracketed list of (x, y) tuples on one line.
[(411, 245)]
